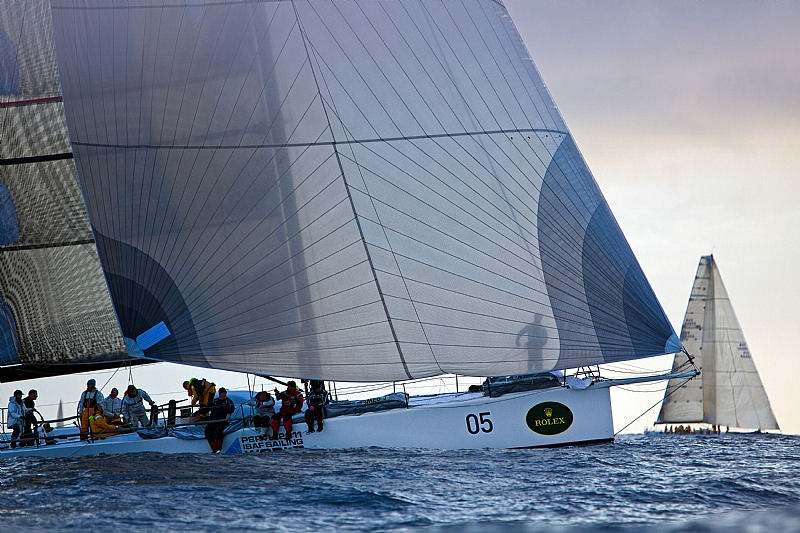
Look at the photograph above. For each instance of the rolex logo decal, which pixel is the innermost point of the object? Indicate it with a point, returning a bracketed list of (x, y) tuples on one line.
[(549, 418)]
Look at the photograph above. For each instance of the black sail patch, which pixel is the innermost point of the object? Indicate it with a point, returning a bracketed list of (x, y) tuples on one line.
[(549, 418)]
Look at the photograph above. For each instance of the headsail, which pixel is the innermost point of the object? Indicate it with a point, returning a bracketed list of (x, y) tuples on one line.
[(729, 392), (55, 312), (342, 189)]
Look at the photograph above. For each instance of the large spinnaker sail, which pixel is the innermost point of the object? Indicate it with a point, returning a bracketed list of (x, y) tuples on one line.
[(729, 392), (342, 189), (55, 312)]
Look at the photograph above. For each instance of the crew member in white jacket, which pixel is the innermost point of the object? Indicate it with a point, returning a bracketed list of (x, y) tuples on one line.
[(16, 416), (112, 407), (133, 409)]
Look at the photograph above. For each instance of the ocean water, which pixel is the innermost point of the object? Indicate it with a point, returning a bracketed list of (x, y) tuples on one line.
[(637, 483)]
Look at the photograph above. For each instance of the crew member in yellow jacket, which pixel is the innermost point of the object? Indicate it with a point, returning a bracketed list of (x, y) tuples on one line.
[(101, 428), (202, 392)]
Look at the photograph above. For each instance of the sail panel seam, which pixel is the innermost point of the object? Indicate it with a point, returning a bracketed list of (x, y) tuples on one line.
[(322, 143)]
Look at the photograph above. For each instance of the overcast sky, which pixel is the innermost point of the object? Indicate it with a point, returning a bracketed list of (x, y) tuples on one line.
[(688, 114)]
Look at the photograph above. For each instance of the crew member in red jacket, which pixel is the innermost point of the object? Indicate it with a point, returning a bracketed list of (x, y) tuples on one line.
[(291, 404)]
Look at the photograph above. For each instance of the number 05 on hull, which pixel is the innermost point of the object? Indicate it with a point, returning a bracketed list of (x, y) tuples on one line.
[(539, 418)]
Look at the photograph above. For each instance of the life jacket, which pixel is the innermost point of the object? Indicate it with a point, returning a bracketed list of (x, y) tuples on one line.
[(319, 397), (198, 387), (222, 408), (89, 402), (292, 402)]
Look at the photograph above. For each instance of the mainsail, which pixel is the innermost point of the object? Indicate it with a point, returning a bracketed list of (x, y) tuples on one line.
[(342, 189), (55, 313), (729, 392)]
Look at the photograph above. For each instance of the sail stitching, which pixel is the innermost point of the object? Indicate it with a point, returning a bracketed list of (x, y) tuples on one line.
[(372, 199), (321, 143), (350, 197)]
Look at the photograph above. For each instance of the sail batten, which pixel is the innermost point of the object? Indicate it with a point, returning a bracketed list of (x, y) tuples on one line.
[(342, 189), (730, 392)]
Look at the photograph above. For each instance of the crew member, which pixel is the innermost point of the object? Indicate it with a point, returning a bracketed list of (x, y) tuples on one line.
[(100, 424), (218, 420), (133, 406), (202, 392), (31, 425), (264, 405), (16, 416), (316, 401), (291, 404), (87, 405), (112, 407)]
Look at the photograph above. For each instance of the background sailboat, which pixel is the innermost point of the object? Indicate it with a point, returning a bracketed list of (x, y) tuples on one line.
[(729, 391)]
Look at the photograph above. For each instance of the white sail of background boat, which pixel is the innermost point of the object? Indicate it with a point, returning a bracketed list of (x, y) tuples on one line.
[(339, 190), (729, 392)]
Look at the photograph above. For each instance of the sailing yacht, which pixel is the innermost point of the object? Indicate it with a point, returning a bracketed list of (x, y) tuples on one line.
[(332, 189), (730, 392)]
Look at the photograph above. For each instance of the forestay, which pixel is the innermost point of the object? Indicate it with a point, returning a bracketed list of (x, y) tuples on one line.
[(54, 306), (339, 189), (729, 392)]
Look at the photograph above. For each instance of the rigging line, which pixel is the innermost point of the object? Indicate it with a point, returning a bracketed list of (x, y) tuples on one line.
[(110, 377), (350, 197), (230, 118), (655, 404)]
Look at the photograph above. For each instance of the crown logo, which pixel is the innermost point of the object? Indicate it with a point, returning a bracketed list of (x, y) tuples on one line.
[(548, 412)]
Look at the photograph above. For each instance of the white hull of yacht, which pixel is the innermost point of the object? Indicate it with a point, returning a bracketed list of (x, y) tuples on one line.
[(539, 418), (473, 423), (119, 444)]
